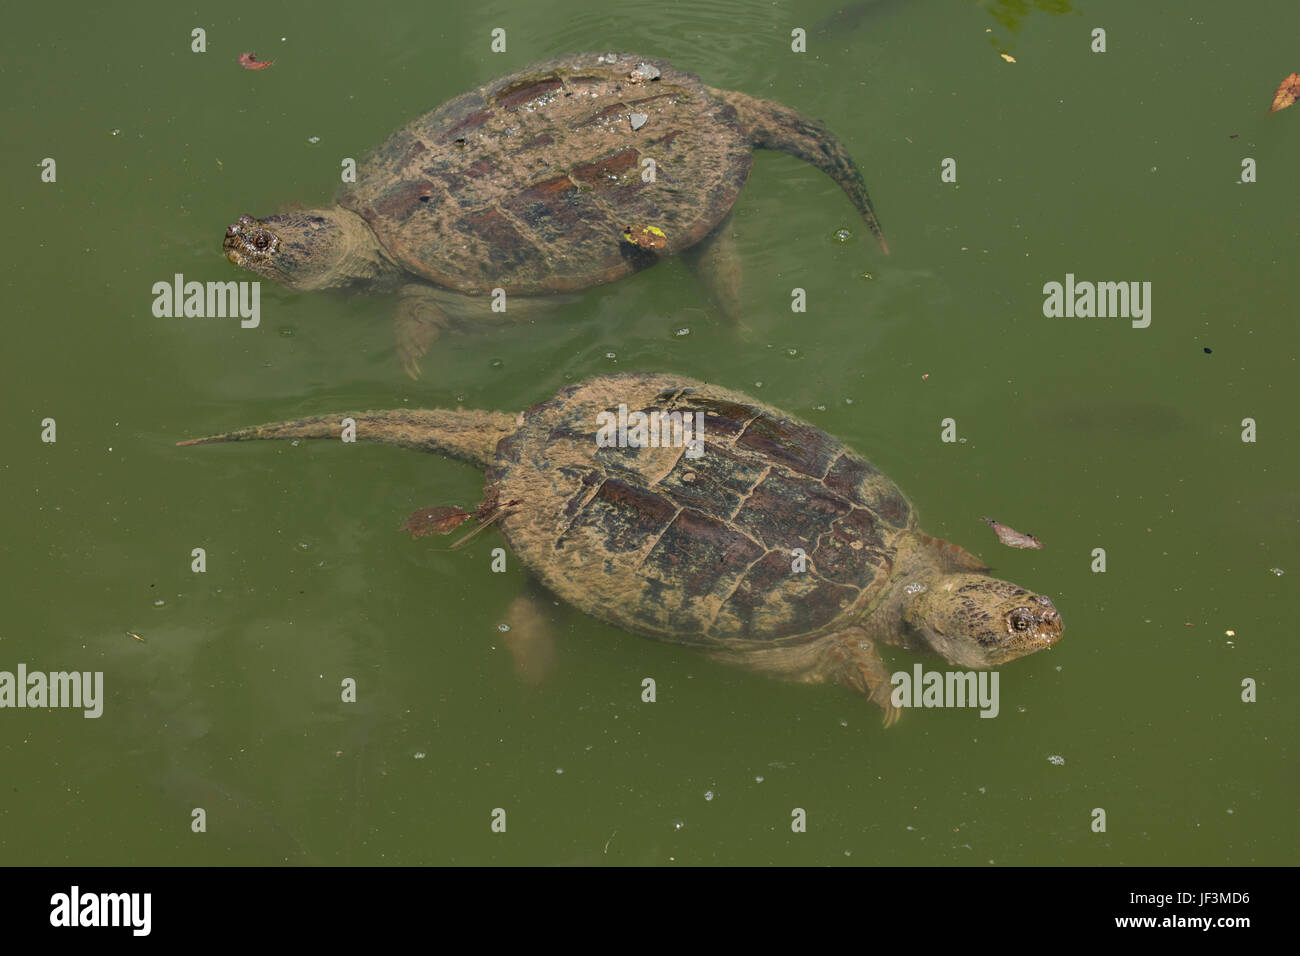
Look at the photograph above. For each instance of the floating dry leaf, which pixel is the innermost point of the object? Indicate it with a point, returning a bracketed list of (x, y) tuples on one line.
[(1008, 57), (1011, 537), (440, 520), (1287, 93), (249, 61)]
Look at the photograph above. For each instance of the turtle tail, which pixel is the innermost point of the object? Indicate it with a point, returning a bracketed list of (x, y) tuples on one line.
[(466, 435), (770, 125)]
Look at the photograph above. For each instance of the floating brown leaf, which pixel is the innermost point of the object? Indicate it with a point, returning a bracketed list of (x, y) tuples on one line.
[(440, 520), (249, 61), (1287, 93), (1011, 537)]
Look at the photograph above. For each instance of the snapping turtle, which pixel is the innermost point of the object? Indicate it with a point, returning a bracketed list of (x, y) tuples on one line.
[(696, 515), (565, 175)]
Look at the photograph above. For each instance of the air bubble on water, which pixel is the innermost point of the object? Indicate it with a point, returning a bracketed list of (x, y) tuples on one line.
[(793, 353), (114, 132), (758, 779), (503, 628), (842, 235), (559, 770), (419, 755), (819, 408), (159, 603), (708, 794), (1230, 811), (612, 356), (982, 789), (682, 332), (313, 139), (1020, 708), (758, 384), (1056, 760), (843, 722), (1278, 571), (295, 442), (497, 363), (678, 825), (286, 331), (848, 401)]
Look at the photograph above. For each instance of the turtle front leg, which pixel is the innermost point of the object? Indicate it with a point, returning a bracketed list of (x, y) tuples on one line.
[(716, 263), (417, 323), (855, 662)]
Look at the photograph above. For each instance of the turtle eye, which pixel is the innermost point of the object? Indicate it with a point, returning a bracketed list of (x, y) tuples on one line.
[(1020, 619), (261, 242)]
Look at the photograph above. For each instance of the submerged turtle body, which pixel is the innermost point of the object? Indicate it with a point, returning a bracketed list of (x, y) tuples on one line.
[(528, 182), (697, 549), (565, 175), (693, 514)]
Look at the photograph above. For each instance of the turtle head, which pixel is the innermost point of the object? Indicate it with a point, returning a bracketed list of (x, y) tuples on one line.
[(974, 620), (305, 249)]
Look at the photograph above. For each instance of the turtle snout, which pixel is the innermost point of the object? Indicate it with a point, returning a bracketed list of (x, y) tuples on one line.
[(1049, 625), (248, 240), (240, 225)]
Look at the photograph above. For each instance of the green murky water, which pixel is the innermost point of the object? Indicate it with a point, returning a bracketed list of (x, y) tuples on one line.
[(1116, 166)]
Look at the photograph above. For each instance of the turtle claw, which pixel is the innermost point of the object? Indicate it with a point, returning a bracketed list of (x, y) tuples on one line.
[(880, 693), (892, 715), (852, 659)]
